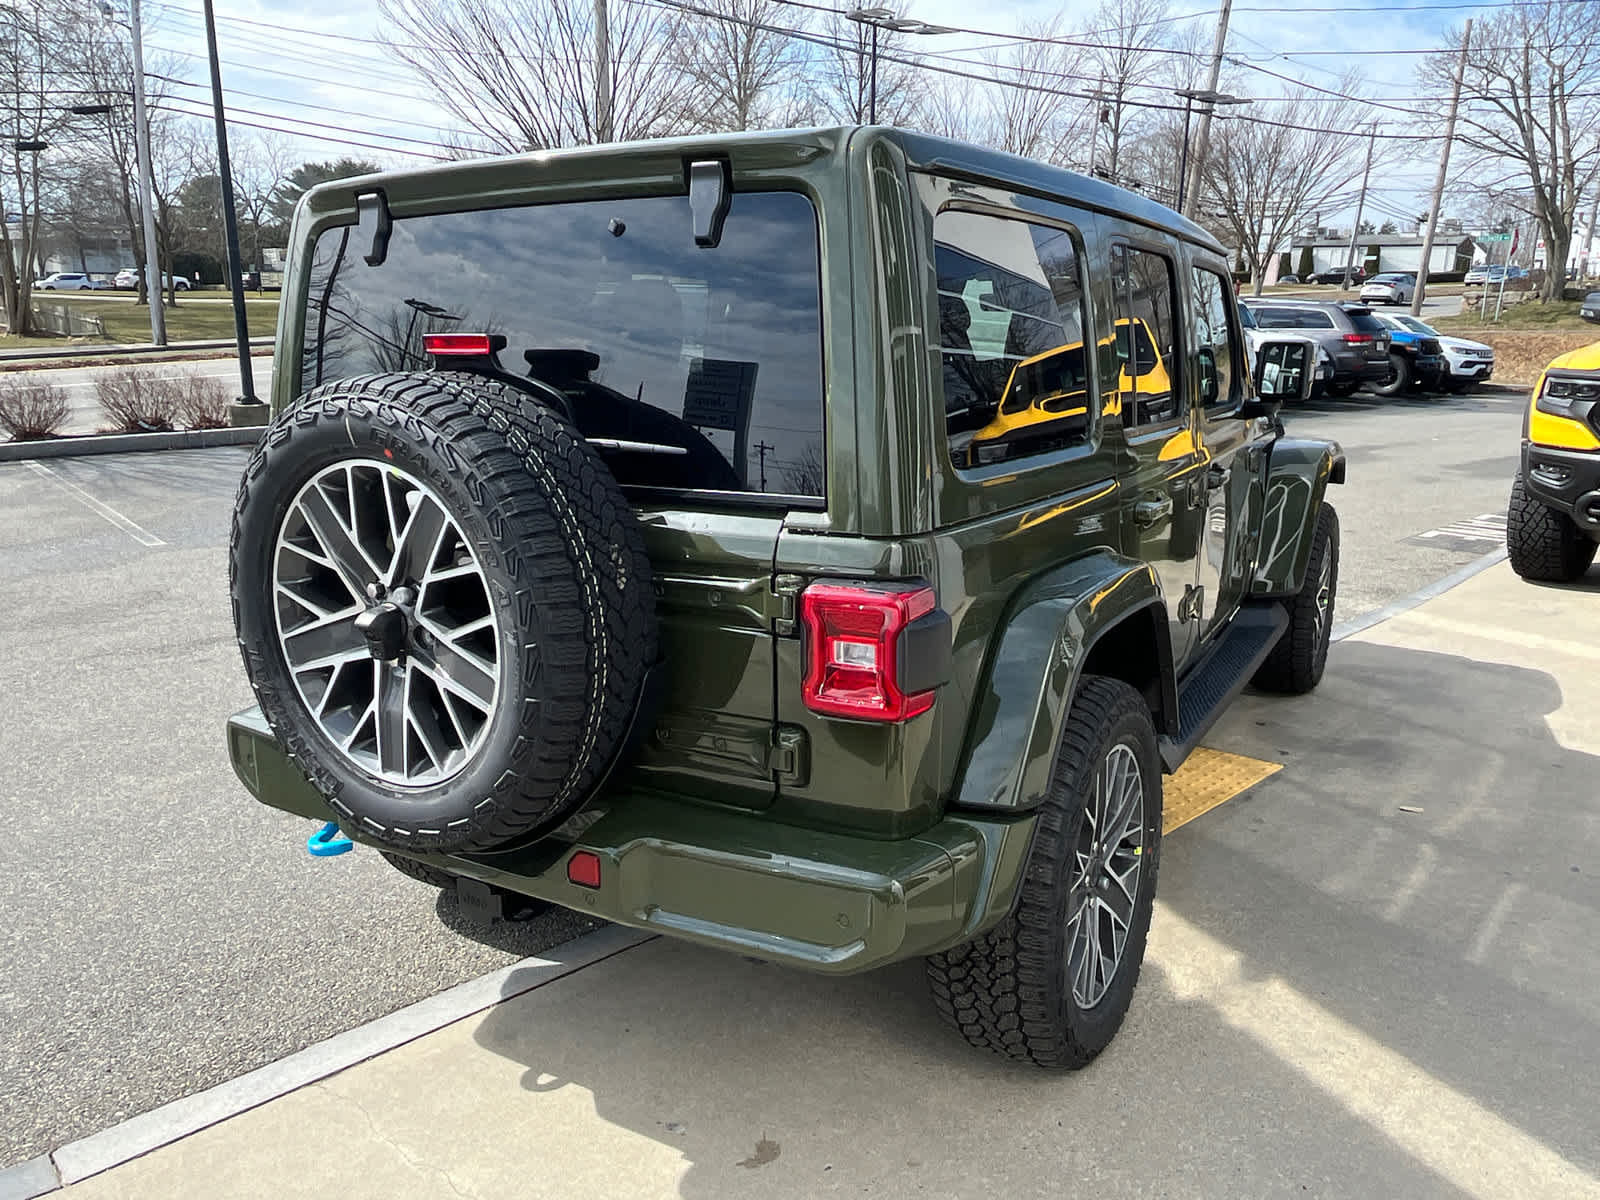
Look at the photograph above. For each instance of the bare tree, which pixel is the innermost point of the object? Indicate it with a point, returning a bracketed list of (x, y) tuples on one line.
[(954, 107), (1268, 169), (1131, 35), (29, 42), (742, 63), (520, 73), (1025, 118), (843, 75), (1532, 102), (261, 161)]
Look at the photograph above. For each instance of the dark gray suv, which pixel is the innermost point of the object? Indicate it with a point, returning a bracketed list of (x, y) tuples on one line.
[(1356, 341)]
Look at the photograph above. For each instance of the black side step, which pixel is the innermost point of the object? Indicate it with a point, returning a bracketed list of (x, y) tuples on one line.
[(1221, 676)]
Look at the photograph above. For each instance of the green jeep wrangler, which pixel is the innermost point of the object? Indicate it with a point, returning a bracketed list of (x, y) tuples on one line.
[(815, 545)]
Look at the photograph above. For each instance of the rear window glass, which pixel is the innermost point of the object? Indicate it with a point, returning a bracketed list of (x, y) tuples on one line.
[(687, 367), (1293, 318), (1366, 322)]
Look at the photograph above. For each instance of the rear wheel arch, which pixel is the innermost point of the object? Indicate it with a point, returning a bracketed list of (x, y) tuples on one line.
[(1137, 649)]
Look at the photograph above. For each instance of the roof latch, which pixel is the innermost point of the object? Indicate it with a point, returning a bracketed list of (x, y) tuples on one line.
[(374, 223), (710, 194)]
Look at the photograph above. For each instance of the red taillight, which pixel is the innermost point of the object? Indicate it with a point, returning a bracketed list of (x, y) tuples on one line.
[(1358, 339), (853, 650), (583, 869), (457, 345)]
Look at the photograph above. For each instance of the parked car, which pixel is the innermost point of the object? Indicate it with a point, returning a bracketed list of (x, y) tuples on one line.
[(805, 703), (1466, 363), (1389, 288), (1553, 519), (64, 281), (1288, 279), (1354, 339), (1416, 361), (1493, 274), (128, 277), (1339, 275), (1589, 310)]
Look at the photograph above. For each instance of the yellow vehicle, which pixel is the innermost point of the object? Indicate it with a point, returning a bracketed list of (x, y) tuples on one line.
[(1553, 522), (1047, 395)]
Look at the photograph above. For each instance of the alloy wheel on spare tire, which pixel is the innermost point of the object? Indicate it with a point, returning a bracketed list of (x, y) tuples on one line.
[(430, 616), (1053, 981)]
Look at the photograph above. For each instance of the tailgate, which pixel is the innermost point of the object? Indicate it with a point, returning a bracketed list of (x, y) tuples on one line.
[(713, 730)]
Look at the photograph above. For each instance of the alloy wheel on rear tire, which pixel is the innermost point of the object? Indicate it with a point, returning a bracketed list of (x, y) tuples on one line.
[(384, 619), (1105, 881)]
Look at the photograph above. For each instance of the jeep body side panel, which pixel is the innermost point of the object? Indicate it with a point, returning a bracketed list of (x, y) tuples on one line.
[(1029, 681), (1298, 473)]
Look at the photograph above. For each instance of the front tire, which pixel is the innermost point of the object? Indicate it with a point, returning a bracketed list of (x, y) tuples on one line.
[(1544, 545), (1052, 982), (1296, 663), (1400, 376)]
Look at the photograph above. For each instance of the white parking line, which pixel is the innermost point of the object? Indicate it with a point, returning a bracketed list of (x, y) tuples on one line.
[(132, 528)]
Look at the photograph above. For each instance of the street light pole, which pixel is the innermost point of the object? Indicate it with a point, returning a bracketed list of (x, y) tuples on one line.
[(884, 18), (141, 136), (1361, 203), (230, 219), (1210, 98)]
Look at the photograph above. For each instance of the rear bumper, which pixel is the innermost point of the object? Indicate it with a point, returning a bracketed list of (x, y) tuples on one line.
[(824, 901), (1566, 480)]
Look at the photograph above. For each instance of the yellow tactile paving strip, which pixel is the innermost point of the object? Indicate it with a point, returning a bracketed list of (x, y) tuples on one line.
[(1206, 779)]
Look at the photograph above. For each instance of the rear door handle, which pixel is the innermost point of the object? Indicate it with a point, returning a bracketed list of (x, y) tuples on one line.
[(1148, 512)]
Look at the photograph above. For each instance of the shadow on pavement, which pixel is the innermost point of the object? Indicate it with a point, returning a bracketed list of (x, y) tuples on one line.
[(1342, 997)]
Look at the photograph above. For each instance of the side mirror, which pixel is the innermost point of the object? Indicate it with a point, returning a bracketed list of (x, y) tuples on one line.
[(1284, 372)]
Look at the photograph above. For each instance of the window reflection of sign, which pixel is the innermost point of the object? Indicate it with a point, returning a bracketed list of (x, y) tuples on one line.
[(719, 392)]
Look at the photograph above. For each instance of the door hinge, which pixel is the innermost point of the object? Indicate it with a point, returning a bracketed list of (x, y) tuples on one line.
[(786, 588), (790, 763)]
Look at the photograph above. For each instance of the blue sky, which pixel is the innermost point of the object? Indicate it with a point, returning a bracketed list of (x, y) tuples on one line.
[(314, 62)]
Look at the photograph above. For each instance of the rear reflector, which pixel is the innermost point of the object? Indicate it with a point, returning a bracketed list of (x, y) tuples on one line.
[(853, 650), (457, 345), (583, 869)]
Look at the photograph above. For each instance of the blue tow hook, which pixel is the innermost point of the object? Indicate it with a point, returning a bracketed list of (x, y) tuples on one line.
[(328, 841)]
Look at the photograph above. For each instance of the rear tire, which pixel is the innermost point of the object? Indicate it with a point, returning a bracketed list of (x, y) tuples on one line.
[(420, 871), (1296, 663), (1029, 988), (1544, 545)]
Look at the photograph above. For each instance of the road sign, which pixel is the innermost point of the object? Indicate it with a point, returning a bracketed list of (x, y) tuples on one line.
[(1494, 237)]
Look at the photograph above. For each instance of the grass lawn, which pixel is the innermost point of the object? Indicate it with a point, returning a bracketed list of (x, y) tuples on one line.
[(1527, 315), (193, 319)]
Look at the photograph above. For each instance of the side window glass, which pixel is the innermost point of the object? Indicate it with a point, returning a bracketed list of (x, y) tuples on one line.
[(1011, 322), (1214, 342), (1146, 338)]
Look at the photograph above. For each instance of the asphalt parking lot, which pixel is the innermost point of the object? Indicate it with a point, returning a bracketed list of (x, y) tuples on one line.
[(166, 934)]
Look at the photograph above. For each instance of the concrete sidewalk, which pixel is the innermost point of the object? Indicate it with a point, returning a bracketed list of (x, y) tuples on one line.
[(1372, 975)]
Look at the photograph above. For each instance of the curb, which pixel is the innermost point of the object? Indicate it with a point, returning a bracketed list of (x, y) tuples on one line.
[(1417, 598), (137, 1136), (123, 443), (133, 349)]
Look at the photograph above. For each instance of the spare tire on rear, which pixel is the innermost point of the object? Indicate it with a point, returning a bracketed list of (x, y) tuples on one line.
[(444, 607)]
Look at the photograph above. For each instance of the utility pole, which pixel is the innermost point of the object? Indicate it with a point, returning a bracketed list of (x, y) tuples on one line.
[(602, 73), (1191, 187), (1438, 180), (872, 100), (1361, 203), (230, 219), (762, 450), (141, 133), (1588, 242)]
